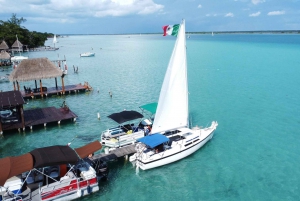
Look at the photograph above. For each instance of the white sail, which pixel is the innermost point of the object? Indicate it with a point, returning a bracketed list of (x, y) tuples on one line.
[(172, 108), (54, 39)]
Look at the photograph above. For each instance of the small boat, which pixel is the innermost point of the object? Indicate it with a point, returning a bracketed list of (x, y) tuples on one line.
[(87, 54), (17, 58), (127, 132), (171, 138), (51, 173)]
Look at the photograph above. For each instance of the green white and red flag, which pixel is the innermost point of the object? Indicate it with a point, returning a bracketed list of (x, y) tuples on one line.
[(171, 29)]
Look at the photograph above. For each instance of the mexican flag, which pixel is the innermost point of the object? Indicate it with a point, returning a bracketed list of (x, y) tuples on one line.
[(171, 30)]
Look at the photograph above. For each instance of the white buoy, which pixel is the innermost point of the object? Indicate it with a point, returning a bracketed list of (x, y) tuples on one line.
[(30, 127), (58, 122), (74, 119), (45, 124), (98, 115), (24, 129)]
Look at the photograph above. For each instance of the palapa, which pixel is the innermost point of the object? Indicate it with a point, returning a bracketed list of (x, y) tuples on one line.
[(35, 69), (4, 46), (4, 55), (17, 44)]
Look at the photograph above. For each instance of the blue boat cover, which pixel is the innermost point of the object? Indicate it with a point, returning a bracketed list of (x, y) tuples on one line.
[(153, 140)]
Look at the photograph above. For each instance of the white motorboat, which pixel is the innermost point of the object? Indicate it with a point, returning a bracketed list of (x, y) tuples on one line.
[(87, 54), (127, 132), (18, 58), (171, 138), (51, 173)]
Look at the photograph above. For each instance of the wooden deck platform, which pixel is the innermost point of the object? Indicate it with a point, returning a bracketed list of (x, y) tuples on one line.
[(41, 116), (117, 153), (75, 88)]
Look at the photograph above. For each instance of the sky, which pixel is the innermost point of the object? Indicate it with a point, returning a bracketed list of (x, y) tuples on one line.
[(148, 16)]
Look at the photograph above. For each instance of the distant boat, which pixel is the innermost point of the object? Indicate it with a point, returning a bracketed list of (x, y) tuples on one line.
[(212, 33), (54, 42), (87, 54)]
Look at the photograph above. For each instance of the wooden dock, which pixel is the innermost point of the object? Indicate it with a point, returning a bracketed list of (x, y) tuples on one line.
[(41, 116), (68, 89), (117, 153)]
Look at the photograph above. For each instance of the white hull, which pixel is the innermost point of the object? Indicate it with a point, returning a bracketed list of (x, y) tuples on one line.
[(87, 54), (178, 150)]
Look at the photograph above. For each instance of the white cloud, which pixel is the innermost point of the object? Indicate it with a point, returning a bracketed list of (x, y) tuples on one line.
[(199, 6), (75, 8), (229, 15), (257, 1), (254, 14), (276, 13)]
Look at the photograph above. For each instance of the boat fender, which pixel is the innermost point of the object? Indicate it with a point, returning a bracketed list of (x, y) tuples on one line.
[(79, 193), (89, 189)]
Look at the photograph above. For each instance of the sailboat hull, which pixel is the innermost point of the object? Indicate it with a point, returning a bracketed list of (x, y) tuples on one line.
[(179, 150)]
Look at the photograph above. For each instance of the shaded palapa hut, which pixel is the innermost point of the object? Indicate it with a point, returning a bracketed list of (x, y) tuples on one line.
[(4, 46), (4, 58), (4, 55), (36, 69), (17, 46)]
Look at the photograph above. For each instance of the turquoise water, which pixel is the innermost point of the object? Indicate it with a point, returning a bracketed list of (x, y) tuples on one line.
[(248, 83)]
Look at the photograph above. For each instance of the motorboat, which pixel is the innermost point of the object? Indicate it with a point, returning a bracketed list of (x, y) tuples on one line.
[(171, 137), (51, 173), (87, 54), (126, 132)]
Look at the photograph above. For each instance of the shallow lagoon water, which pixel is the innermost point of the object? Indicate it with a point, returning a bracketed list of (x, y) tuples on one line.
[(248, 83)]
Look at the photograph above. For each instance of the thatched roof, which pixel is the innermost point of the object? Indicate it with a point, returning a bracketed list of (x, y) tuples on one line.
[(35, 69), (4, 46), (4, 55), (17, 44)]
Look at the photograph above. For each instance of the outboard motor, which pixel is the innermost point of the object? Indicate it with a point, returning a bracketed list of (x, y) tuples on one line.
[(101, 169)]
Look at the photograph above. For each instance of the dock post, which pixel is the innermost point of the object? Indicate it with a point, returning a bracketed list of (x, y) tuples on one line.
[(74, 119), (30, 127), (98, 115), (126, 157), (58, 122), (19, 130), (23, 128), (45, 124)]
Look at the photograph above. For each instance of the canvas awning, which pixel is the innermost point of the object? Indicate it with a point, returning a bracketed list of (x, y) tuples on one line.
[(88, 149), (151, 107), (125, 116), (54, 155), (12, 166), (153, 140), (35, 69)]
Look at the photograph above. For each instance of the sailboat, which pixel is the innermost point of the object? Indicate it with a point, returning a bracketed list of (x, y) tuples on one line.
[(171, 138), (212, 33), (55, 41)]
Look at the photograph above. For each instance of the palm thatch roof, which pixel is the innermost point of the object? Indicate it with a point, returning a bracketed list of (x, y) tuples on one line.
[(35, 69), (4, 55), (4, 46), (17, 44)]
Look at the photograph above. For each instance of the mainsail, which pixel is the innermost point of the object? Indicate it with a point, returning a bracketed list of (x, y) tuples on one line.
[(172, 108)]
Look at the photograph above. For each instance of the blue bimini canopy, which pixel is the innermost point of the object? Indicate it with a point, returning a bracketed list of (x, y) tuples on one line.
[(153, 140)]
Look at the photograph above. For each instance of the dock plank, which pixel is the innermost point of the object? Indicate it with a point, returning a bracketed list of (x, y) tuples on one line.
[(41, 116)]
